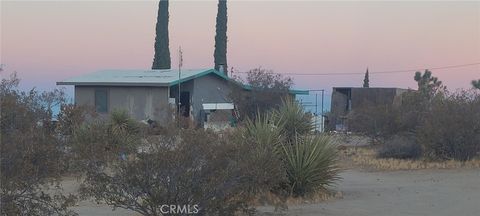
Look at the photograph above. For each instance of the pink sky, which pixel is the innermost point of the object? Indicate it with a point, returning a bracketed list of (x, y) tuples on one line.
[(47, 41)]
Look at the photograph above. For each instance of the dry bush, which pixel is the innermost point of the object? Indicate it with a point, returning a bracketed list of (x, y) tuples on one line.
[(451, 129), (400, 147), (376, 121), (446, 125), (261, 91), (31, 152), (71, 117), (186, 167)]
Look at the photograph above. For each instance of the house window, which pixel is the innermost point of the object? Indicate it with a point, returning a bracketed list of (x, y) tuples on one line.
[(101, 100)]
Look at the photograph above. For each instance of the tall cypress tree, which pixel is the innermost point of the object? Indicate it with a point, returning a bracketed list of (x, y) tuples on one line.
[(220, 54), (366, 80), (161, 60)]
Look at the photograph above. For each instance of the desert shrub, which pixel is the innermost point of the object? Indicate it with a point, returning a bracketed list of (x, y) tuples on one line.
[(31, 156), (260, 91), (311, 164), (309, 161), (71, 117), (101, 142), (405, 115), (120, 121), (400, 147), (263, 133), (451, 129), (218, 174), (376, 121)]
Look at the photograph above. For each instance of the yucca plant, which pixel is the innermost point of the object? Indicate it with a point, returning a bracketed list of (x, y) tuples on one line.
[(292, 119), (264, 133), (311, 164), (121, 122)]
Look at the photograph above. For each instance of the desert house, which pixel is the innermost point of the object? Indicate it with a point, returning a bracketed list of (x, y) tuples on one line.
[(347, 99), (153, 94)]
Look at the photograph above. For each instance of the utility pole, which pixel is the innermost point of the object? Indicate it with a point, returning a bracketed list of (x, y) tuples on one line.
[(180, 64), (316, 110), (323, 120)]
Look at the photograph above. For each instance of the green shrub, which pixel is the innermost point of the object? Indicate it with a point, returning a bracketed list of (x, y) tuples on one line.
[(400, 147), (311, 164), (120, 121), (263, 133), (292, 119)]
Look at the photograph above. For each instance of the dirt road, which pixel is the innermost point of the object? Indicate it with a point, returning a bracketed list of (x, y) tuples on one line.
[(424, 192)]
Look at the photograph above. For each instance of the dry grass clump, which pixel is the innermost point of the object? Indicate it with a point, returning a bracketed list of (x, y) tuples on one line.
[(281, 202), (366, 157)]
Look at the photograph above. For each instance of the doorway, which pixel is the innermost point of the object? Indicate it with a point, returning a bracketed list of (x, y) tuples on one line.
[(185, 103)]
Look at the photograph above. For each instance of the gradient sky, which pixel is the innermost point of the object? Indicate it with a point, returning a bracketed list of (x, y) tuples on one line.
[(47, 41)]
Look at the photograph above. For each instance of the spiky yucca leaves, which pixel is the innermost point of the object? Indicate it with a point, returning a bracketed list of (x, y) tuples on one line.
[(263, 142), (264, 133), (311, 164), (292, 119), (310, 161), (102, 142), (121, 122)]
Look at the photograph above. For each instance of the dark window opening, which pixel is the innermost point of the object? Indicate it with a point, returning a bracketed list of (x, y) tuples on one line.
[(101, 100), (185, 103)]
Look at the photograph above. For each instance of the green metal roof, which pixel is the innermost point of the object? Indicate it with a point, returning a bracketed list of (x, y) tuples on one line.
[(166, 77), (291, 91)]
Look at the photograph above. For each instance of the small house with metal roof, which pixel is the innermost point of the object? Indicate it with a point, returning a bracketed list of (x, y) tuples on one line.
[(154, 94)]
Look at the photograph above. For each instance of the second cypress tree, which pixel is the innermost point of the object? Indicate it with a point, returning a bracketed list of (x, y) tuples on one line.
[(161, 59), (220, 53)]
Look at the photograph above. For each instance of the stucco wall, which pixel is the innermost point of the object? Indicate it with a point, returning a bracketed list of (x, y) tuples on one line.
[(360, 97), (206, 89), (372, 96), (152, 102), (209, 89), (141, 102)]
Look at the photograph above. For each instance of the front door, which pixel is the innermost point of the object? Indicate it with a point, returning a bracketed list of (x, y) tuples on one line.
[(185, 103)]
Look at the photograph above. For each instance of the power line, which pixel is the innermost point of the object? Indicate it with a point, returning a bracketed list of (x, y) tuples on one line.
[(376, 72)]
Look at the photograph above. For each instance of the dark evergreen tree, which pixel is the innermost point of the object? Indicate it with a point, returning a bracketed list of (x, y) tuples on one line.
[(220, 53), (161, 60), (476, 84), (366, 80)]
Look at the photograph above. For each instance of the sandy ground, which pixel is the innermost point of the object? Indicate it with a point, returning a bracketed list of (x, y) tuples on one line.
[(89, 207), (422, 192)]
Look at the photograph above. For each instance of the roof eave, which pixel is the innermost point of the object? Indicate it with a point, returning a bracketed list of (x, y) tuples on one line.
[(198, 76), (111, 84)]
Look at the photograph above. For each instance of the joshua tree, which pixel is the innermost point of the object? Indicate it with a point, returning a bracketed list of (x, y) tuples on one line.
[(476, 84), (366, 80), (161, 60), (220, 53), (428, 84)]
